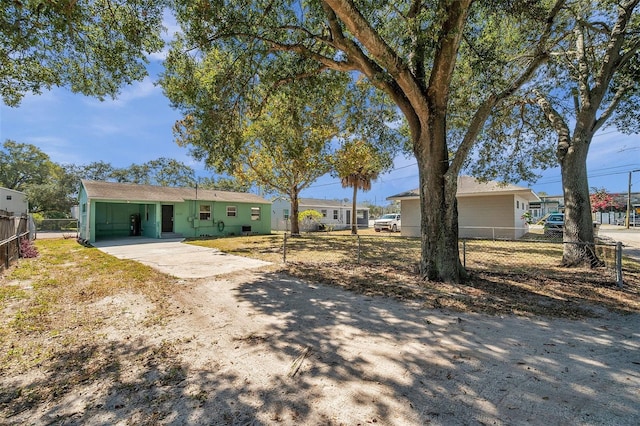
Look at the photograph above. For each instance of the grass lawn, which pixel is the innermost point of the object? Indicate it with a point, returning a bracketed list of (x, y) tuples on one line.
[(506, 277)]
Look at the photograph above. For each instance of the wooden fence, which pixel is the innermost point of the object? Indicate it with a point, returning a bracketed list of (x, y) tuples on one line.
[(12, 231)]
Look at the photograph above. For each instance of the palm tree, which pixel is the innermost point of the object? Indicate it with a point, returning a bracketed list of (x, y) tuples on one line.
[(357, 164)]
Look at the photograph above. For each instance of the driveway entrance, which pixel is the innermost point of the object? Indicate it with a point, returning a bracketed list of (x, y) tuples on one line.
[(178, 259)]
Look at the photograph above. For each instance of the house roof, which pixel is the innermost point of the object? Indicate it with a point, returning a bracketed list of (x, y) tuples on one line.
[(471, 187), (131, 192)]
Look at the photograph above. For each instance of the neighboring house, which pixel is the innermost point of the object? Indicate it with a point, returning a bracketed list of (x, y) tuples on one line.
[(555, 204), (112, 210), (485, 209), (14, 202), (336, 214), (14, 210), (546, 205)]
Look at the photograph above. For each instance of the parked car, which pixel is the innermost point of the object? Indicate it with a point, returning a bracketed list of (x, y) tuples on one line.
[(388, 222), (554, 225), (634, 220)]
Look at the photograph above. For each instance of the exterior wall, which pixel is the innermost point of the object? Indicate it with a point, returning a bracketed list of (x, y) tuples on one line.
[(149, 219), (410, 220), (498, 216), (189, 224), (278, 221), (481, 217), (521, 207), (13, 201), (85, 231)]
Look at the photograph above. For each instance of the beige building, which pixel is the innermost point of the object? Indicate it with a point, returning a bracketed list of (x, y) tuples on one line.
[(485, 209)]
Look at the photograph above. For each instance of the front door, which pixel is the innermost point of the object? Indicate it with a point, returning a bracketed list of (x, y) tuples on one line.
[(167, 218)]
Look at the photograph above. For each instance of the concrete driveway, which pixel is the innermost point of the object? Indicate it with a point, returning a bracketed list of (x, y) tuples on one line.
[(176, 258)]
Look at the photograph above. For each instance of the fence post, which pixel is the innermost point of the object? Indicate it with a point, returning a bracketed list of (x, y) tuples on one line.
[(464, 254), (284, 249), (619, 263), (358, 249)]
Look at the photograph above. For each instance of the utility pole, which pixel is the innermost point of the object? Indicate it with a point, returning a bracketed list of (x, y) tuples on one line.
[(628, 218)]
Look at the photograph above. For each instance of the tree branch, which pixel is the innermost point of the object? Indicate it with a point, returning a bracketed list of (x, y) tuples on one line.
[(612, 56), (557, 123), (540, 55), (412, 93), (611, 107)]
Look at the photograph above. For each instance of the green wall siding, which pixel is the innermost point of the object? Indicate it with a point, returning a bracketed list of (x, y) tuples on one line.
[(188, 223), (148, 220)]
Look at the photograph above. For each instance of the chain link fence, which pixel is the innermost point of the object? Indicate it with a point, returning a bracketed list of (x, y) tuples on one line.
[(531, 255), (56, 225)]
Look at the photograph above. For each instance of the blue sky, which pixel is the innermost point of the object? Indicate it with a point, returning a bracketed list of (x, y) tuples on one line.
[(137, 127)]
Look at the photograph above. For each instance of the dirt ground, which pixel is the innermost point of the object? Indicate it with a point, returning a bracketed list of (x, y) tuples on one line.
[(262, 348)]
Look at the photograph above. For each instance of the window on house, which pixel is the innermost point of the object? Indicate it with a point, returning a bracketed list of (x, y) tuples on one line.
[(324, 212), (84, 207), (255, 213), (517, 204), (360, 214), (285, 214), (205, 212), (232, 211), (8, 197), (335, 215)]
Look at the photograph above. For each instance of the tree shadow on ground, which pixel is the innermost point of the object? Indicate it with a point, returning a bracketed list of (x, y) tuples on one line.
[(364, 360), (401, 362)]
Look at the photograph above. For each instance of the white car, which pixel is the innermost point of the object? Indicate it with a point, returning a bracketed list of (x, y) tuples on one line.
[(388, 222)]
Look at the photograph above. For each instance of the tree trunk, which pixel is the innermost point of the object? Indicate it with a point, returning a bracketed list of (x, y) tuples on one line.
[(578, 236), (354, 215), (295, 213), (440, 259)]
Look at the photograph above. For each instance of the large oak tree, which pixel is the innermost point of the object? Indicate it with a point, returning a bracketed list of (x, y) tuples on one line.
[(592, 80), (408, 50)]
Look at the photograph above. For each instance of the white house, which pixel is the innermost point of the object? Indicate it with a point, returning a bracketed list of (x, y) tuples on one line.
[(336, 214), (14, 202), (485, 209)]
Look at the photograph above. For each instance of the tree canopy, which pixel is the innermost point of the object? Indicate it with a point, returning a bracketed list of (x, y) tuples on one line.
[(591, 80), (22, 165), (92, 47)]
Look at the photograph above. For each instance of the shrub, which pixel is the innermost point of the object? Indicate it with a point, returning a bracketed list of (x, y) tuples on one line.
[(27, 249)]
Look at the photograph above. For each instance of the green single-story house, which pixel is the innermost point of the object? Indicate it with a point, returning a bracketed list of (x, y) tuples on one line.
[(117, 210)]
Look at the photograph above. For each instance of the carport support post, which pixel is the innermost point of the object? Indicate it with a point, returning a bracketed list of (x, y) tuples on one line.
[(619, 263)]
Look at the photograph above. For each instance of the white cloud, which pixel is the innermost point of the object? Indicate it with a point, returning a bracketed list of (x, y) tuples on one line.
[(171, 27), (138, 90)]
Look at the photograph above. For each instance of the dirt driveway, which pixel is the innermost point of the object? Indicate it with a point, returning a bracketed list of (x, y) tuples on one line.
[(257, 347)]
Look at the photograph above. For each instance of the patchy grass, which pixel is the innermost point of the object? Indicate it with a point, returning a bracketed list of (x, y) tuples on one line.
[(46, 301), (506, 277)]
